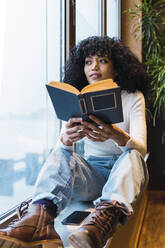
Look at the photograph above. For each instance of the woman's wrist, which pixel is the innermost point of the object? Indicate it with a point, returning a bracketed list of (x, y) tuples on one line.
[(121, 138)]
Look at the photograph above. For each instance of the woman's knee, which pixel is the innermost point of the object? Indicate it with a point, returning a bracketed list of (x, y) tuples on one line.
[(137, 164)]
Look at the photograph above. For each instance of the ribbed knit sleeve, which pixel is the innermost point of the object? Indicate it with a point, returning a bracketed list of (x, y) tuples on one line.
[(137, 123)]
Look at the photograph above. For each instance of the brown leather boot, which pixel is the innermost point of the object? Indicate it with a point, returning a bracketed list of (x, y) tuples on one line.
[(34, 226), (99, 226)]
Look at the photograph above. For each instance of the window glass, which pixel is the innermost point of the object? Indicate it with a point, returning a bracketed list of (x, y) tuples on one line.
[(113, 18), (30, 57), (87, 18)]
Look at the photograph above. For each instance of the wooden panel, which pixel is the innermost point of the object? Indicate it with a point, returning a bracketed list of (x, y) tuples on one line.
[(9, 244), (153, 231), (135, 44)]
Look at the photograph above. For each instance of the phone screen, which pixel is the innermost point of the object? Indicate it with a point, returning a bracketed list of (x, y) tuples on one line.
[(75, 218)]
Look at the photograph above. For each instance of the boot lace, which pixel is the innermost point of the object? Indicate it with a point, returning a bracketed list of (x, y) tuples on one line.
[(21, 212), (105, 218)]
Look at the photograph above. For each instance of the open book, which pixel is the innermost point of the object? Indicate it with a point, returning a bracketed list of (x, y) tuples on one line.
[(102, 99)]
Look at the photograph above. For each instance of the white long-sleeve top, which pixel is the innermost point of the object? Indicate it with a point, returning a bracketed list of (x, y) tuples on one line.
[(134, 125)]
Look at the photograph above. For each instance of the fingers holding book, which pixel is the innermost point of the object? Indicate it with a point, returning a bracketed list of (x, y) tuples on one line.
[(76, 129), (96, 130), (73, 131), (100, 131)]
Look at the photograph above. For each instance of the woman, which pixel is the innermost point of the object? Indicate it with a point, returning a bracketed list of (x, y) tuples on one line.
[(112, 173)]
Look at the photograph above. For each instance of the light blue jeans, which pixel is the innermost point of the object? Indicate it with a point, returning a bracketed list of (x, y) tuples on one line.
[(66, 174)]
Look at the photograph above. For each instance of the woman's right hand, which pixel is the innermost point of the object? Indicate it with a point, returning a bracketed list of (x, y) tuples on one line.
[(73, 132)]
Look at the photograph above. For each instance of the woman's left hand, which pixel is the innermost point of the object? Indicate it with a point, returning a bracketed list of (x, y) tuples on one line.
[(102, 131)]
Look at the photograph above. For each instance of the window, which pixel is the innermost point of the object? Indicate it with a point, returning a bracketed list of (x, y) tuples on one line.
[(87, 16), (30, 37), (113, 18), (35, 38), (97, 17)]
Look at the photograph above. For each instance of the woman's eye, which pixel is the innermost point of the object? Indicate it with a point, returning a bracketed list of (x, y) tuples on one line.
[(103, 61), (87, 62)]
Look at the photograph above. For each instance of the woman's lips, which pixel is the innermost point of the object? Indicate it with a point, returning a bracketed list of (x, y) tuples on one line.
[(95, 75)]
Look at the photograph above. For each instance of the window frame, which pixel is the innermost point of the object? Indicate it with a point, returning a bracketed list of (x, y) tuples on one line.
[(103, 18), (70, 22), (70, 26)]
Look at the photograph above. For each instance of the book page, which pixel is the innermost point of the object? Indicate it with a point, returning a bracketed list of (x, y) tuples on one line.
[(64, 86), (100, 85)]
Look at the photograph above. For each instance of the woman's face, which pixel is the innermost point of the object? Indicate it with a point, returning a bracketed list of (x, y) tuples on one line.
[(97, 68)]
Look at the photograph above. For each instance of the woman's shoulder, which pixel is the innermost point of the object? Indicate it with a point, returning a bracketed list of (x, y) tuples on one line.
[(132, 96), (133, 99)]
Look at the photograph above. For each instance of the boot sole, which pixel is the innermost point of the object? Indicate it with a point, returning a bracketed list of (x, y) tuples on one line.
[(4, 240), (79, 240)]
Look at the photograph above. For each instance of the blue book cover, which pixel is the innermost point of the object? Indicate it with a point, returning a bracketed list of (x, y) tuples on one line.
[(102, 99)]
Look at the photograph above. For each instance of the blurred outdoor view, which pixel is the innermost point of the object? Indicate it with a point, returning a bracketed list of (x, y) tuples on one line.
[(31, 55)]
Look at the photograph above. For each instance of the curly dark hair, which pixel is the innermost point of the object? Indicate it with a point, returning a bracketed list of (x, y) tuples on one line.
[(131, 74)]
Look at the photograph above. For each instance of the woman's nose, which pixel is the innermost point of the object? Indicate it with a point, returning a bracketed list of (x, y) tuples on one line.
[(95, 65)]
